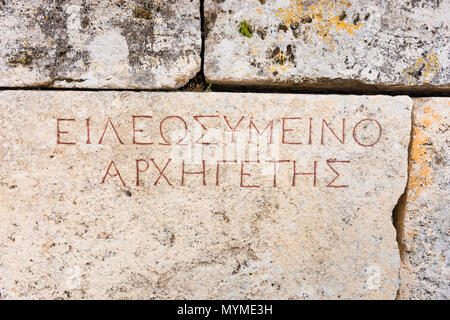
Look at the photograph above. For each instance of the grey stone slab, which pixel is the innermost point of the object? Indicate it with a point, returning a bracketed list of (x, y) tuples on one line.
[(425, 212), (353, 45), (99, 44)]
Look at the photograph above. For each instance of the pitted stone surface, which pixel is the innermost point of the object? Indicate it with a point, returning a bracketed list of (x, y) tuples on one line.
[(94, 202), (99, 44), (329, 44), (425, 272)]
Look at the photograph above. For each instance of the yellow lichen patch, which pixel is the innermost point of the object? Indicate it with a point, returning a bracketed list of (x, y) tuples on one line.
[(281, 65), (142, 13), (424, 68), (326, 16), (278, 68), (421, 173), (281, 56)]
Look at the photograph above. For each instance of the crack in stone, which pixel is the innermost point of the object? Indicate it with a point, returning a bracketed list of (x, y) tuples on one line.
[(68, 80), (198, 82), (398, 214)]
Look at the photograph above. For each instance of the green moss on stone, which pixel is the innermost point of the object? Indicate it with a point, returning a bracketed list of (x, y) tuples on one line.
[(245, 29), (198, 84), (24, 59)]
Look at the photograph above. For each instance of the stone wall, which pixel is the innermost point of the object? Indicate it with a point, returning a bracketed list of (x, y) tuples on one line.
[(310, 162)]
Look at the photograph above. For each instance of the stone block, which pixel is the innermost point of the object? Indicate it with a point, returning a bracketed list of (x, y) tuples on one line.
[(99, 44), (114, 195)]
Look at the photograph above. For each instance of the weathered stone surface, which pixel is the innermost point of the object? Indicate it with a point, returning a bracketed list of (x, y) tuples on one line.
[(226, 234), (425, 271), (333, 44), (99, 44)]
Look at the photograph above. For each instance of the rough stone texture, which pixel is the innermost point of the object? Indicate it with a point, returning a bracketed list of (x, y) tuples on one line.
[(329, 44), (64, 234), (99, 44), (425, 212)]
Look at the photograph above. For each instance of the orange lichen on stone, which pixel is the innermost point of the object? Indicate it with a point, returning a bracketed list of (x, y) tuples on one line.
[(433, 115), (421, 176), (326, 16), (421, 173)]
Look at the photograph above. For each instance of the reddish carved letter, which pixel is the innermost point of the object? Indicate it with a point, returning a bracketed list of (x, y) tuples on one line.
[(59, 132), (113, 175)]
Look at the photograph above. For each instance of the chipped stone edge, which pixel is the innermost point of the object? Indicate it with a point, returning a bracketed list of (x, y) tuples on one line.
[(399, 211)]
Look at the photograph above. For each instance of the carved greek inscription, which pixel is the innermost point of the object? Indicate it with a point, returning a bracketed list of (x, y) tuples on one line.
[(201, 149)]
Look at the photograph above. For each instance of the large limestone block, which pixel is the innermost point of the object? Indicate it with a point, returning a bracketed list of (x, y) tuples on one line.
[(425, 272), (99, 44), (97, 200), (329, 44)]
